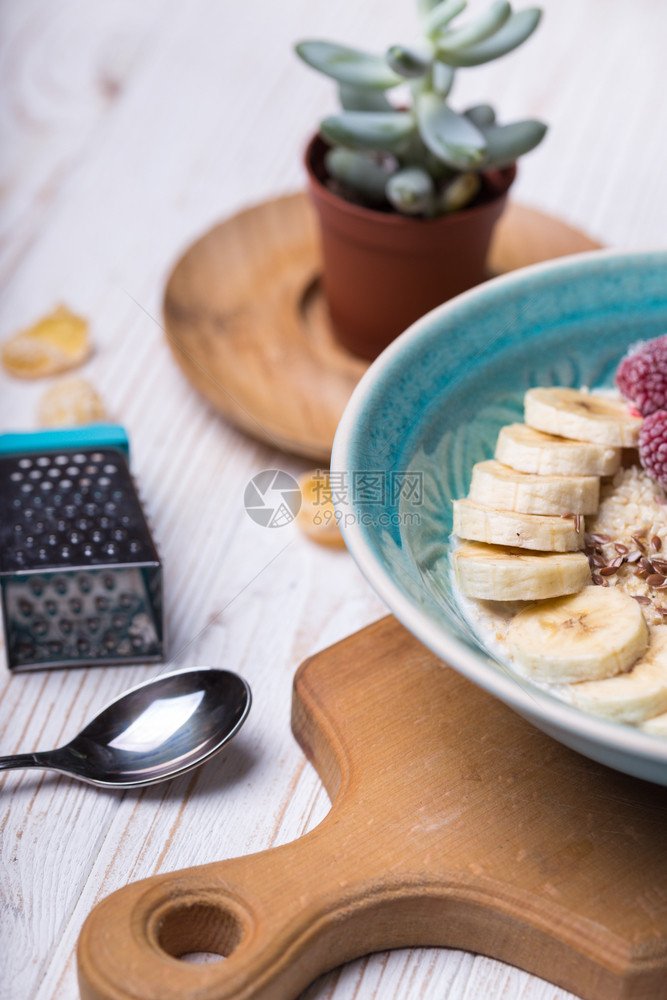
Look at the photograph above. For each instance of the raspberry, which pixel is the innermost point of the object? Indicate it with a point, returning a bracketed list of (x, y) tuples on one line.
[(653, 446), (642, 375)]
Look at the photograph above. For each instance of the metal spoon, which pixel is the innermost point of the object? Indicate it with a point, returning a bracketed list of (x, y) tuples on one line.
[(155, 731)]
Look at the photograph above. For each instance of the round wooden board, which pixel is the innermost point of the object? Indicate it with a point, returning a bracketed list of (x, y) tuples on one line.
[(247, 322)]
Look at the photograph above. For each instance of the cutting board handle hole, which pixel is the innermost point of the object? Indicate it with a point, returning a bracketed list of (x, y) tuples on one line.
[(199, 932)]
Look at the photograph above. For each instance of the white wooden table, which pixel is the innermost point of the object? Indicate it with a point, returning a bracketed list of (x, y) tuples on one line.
[(127, 130)]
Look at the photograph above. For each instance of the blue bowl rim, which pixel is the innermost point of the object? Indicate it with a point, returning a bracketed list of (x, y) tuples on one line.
[(523, 697)]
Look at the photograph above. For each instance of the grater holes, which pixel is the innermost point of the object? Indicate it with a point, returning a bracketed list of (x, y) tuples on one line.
[(25, 463), (60, 460), (43, 461), (35, 474), (16, 477)]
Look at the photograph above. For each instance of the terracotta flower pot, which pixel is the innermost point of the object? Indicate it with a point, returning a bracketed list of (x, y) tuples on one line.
[(383, 270)]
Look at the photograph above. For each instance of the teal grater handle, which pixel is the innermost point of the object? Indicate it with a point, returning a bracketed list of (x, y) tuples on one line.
[(88, 436)]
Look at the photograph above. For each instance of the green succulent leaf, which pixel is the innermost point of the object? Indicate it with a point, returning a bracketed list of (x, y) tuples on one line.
[(360, 172), (411, 191), (460, 192), (513, 33), (362, 99), (371, 130), (481, 115), (348, 65), (483, 27), (505, 143), (424, 7), (440, 15), (442, 78), (451, 137), (408, 62)]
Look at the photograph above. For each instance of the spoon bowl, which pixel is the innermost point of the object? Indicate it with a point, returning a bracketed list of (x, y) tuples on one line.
[(155, 731)]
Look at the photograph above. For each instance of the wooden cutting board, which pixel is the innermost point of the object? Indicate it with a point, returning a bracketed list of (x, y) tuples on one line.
[(246, 319), (454, 823)]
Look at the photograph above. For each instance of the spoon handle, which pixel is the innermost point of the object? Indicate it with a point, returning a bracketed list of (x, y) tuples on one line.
[(22, 760)]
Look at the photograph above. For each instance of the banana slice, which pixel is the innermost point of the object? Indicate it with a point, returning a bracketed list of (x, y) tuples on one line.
[(594, 634), (496, 485), (634, 696), (582, 416), (492, 573), (528, 450), (656, 725), (525, 531)]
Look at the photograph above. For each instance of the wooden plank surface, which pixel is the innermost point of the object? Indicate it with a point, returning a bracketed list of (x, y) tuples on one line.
[(126, 130)]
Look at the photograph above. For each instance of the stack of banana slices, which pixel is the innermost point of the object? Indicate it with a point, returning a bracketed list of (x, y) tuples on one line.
[(522, 531)]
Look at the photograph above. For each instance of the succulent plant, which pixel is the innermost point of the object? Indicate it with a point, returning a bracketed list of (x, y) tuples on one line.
[(421, 156)]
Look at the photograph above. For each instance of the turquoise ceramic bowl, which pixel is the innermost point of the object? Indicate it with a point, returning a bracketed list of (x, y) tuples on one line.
[(432, 405)]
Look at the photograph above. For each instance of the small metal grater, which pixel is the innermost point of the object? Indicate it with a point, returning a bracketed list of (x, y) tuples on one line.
[(80, 577)]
